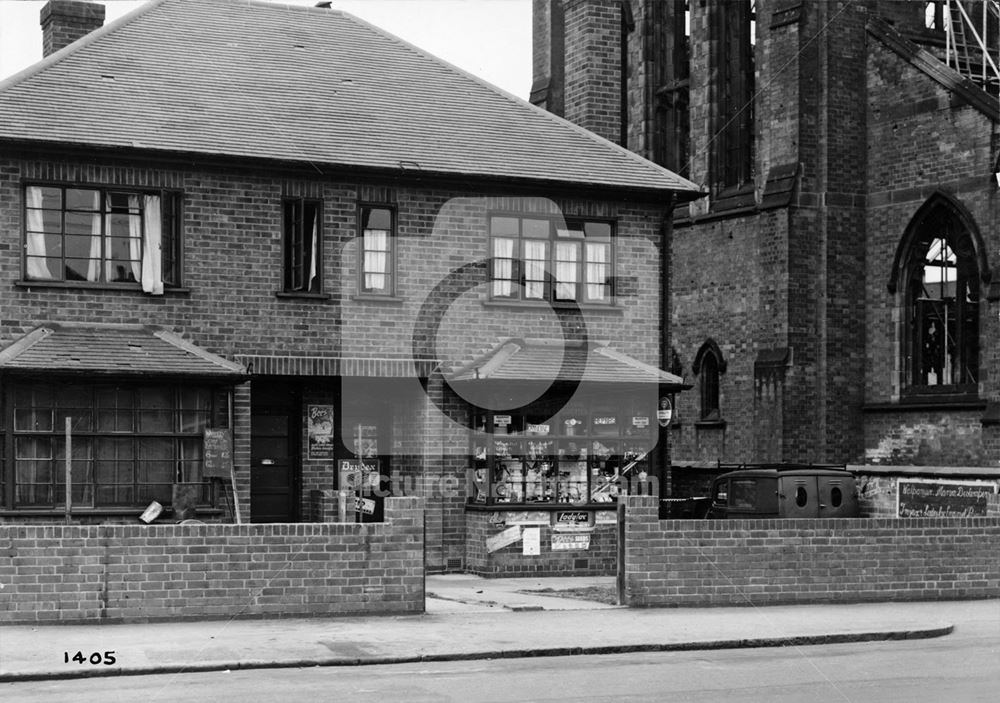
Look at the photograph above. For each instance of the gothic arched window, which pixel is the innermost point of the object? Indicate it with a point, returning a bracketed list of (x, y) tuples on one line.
[(708, 366), (941, 265)]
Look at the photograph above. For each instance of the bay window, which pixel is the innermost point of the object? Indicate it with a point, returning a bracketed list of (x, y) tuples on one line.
[(130, 443)]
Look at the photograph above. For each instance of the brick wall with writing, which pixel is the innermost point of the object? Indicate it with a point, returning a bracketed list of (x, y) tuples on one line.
[(770, 562), (141, 573), (878, 494)]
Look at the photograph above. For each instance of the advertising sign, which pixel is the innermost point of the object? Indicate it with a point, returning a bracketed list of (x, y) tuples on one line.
[(577, 518), (926, 498), (664, 412), (502, 539), (606, 517), (532, 541), (564, 542), (319, 419)]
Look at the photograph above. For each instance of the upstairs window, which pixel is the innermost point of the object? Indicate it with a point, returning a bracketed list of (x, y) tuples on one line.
[(102, 236), (735, 24), (377, 244), (534, 259), (302, 246)]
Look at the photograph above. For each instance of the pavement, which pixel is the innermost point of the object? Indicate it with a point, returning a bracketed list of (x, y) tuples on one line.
[(467, 618)]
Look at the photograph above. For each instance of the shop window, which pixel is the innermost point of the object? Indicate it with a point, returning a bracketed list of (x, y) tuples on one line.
[(377, 251), (940, 262), (130, 444), (534, 259), (302, 240), (734, 42), (102, 236), (586, 453), (709, 365)]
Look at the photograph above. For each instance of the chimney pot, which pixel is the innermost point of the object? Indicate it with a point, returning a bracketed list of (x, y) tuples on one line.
[(65, 21)]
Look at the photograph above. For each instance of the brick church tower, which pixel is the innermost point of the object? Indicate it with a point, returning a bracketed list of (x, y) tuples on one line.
[(848, 159)]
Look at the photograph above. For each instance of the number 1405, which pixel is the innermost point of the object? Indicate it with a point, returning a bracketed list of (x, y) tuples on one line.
[(107, 658)]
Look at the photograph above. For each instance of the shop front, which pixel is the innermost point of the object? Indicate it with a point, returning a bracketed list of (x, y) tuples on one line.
[(546, 472)]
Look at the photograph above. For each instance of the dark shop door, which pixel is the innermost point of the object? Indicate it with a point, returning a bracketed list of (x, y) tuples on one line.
[(273, 453)]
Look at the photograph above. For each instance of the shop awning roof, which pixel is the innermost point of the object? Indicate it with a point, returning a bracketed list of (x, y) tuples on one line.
[(535, 360), (113, 350)]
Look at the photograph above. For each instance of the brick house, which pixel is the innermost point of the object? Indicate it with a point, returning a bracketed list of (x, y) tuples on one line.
[(364, 268), (832, 299)]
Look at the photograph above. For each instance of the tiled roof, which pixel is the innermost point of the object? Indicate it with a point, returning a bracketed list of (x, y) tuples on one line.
[(245, 78), (545, 360), (119, 350)]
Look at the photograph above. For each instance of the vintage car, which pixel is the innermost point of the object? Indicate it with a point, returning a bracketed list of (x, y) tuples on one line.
[(785, 491)]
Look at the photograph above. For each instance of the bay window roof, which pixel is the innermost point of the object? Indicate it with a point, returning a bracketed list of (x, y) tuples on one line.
[(527, 359), (113, 350)]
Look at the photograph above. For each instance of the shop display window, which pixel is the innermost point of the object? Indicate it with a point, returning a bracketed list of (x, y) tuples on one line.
[(582, 454)]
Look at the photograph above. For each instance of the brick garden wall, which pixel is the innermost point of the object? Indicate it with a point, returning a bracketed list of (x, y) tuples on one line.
[(682, 563), (114, 573)]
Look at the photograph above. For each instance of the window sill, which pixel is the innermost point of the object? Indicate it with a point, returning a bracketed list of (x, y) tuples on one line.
[(533, 304), (710, 424), (83, 285), (301, 296), (928, 402), (373, 298)]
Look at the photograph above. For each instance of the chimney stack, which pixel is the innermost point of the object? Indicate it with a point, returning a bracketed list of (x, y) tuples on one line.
[(65, 21)]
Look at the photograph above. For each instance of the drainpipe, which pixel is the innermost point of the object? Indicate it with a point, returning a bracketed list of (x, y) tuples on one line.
[(663, 451)]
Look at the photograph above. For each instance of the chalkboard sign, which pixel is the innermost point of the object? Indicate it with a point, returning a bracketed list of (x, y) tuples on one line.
[(919, 498), (218, 453)]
